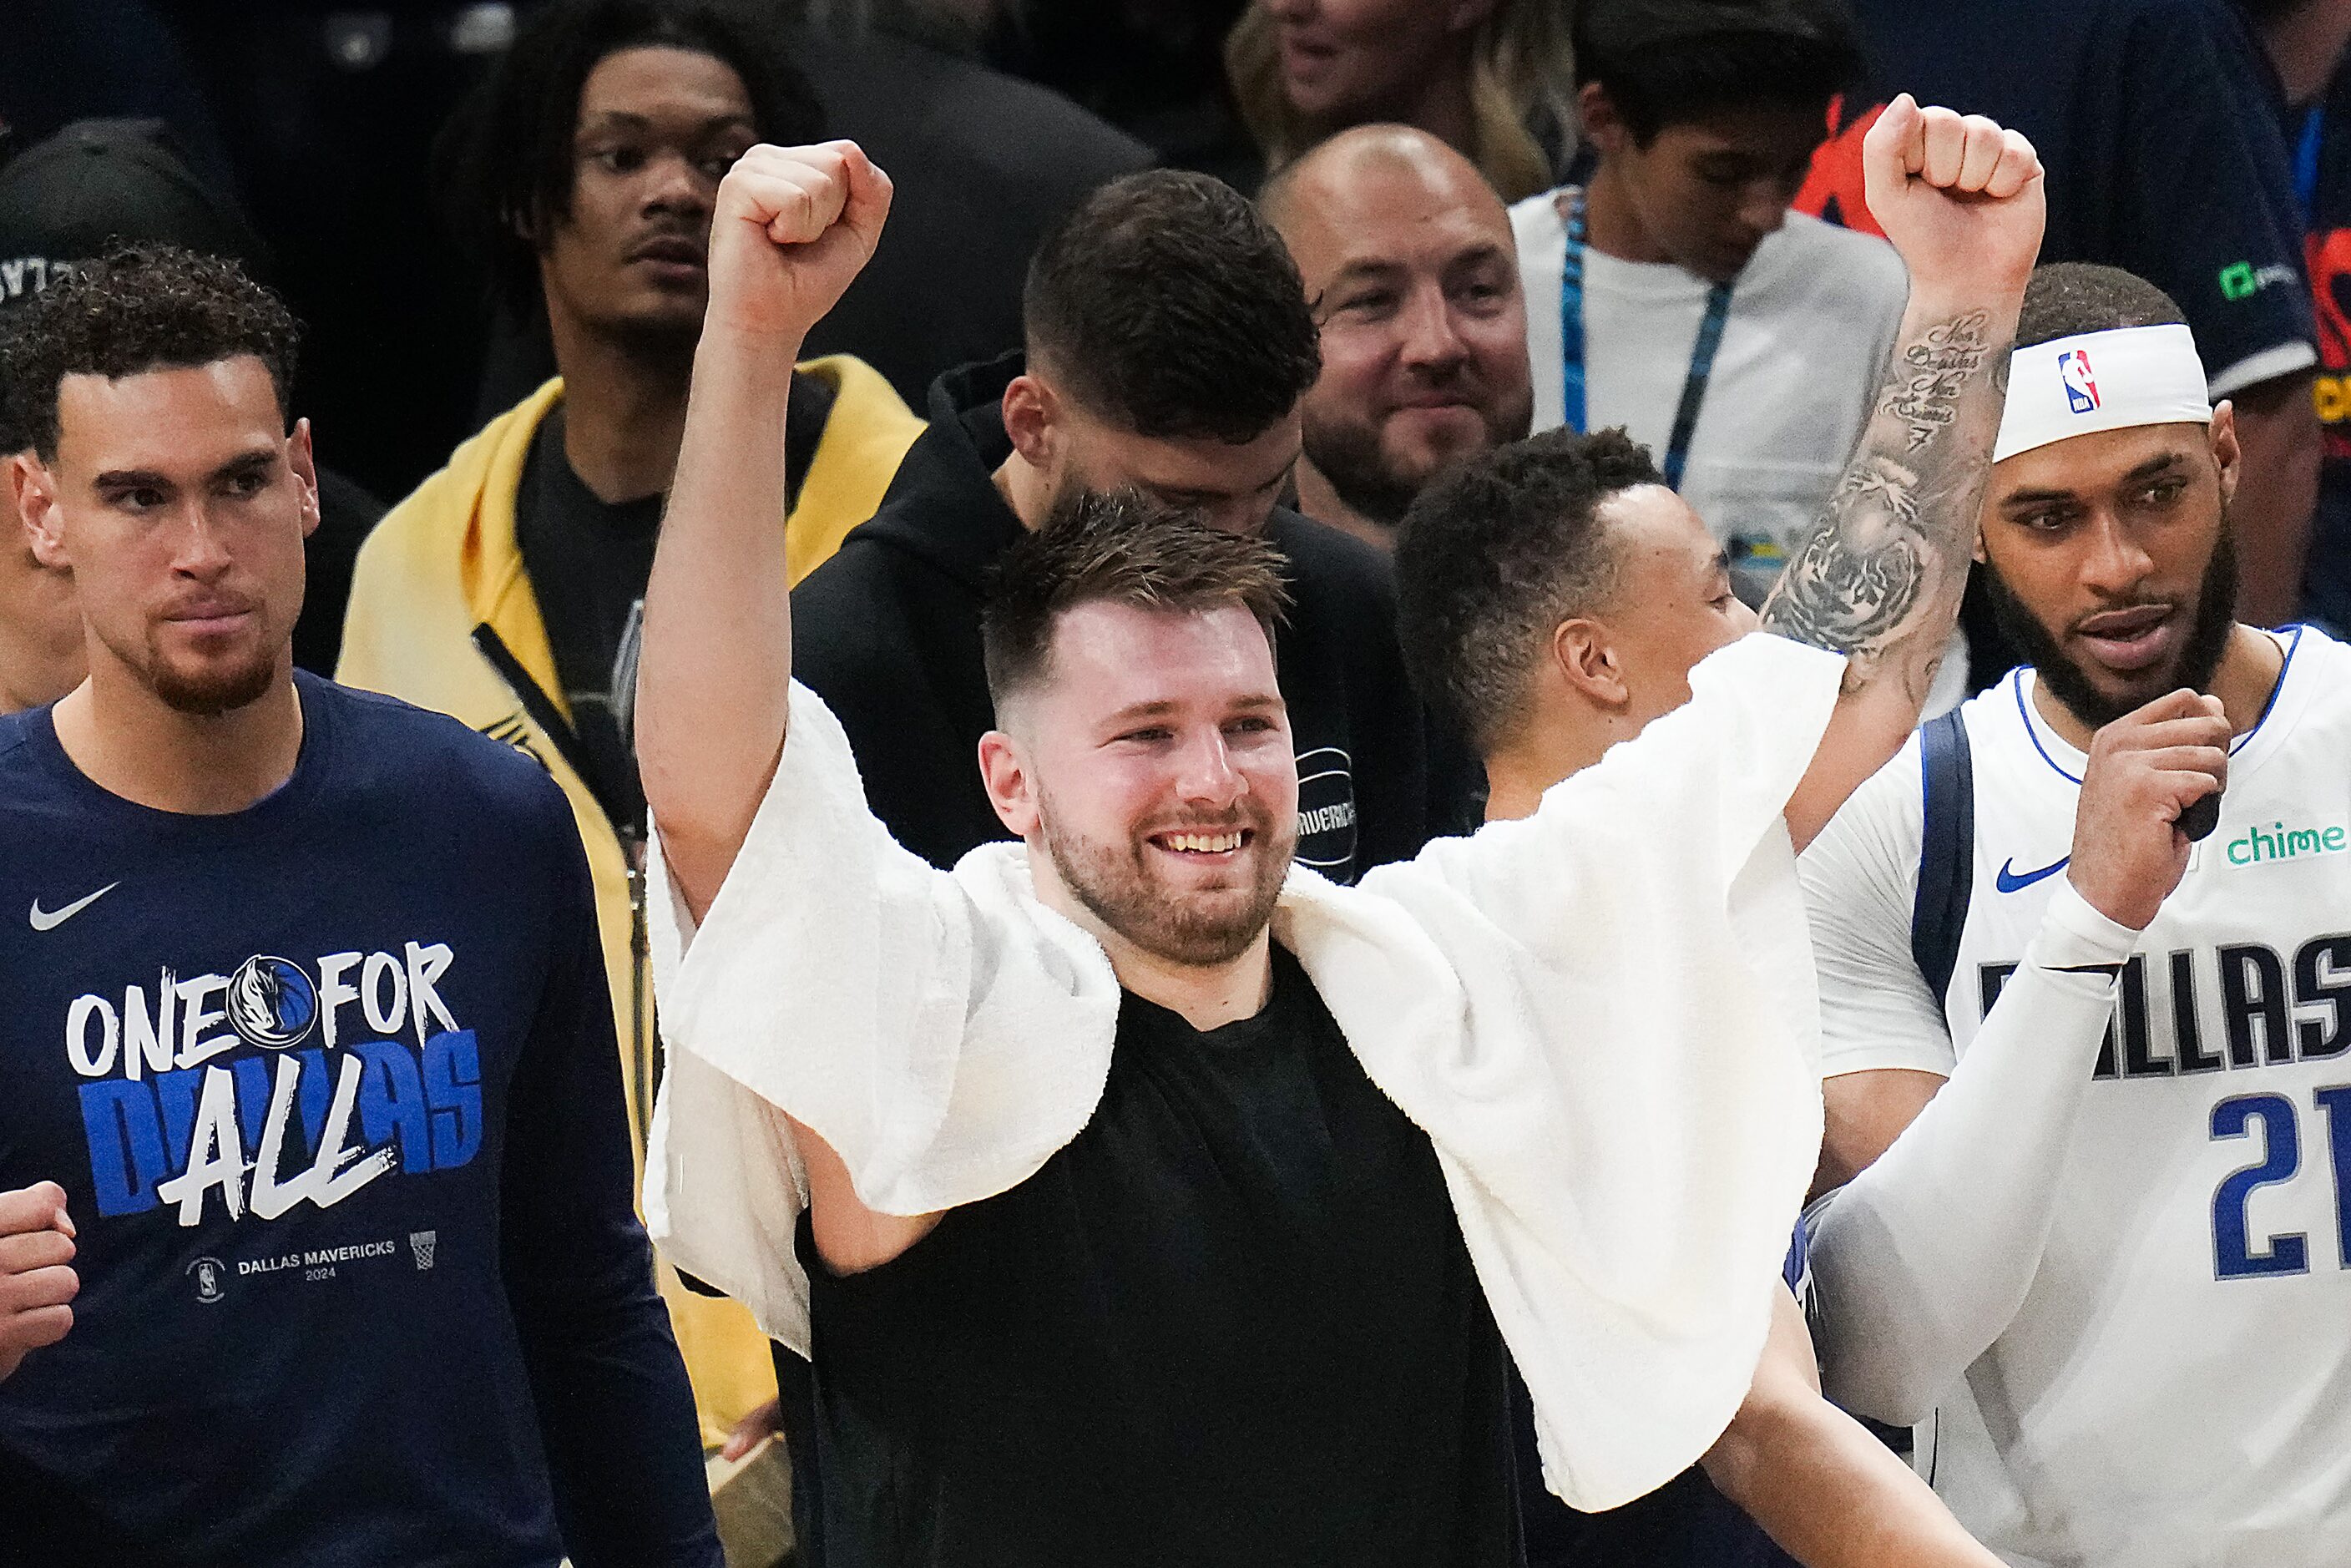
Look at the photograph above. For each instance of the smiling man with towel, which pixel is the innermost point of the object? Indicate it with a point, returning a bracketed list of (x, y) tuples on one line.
[(1143, 1198)]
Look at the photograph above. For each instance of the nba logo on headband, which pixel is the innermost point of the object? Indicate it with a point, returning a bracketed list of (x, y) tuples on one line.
[(2080, 391), (2146, 375)]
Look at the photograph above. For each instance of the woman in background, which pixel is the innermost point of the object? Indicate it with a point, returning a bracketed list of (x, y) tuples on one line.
[(1493, 78)]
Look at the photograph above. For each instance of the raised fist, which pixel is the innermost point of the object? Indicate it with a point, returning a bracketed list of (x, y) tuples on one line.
[(2145, 769), (1960, 198), (37, 1283), (793, 226)]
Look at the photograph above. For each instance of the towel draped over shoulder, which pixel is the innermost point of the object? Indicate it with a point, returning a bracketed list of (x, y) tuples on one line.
[(1602, 1015)]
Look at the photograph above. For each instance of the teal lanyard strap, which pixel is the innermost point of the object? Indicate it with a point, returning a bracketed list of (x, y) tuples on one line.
[(1571, 346)]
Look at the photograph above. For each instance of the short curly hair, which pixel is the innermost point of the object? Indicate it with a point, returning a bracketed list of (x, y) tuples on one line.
[(2065, 298), (1168, 304), (139, 308), (1121, 547), (1494, 555)]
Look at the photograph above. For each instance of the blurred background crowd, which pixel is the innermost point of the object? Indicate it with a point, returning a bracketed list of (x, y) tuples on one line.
[(323, 143), (1644, 224)]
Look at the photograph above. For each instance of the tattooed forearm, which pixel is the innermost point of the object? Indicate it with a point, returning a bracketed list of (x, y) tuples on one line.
[(1930, 374), (1861, 576), (1880, 577)]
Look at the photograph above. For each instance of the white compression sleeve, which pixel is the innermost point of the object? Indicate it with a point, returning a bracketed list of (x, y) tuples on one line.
[(1922, 1259)]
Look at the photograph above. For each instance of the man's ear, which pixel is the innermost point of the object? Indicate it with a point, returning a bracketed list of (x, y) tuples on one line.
[(1030, 409), (1586, 659), (305, 465), (1601, 124), (2226, 451), (33, 490), (1011, 787)]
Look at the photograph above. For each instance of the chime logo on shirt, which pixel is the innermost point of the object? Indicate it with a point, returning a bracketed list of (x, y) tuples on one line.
[(2080, 388), (2279, 842), (276, 1085)]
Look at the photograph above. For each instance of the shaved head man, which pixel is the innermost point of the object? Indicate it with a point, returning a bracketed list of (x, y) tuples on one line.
[(1409, 265)]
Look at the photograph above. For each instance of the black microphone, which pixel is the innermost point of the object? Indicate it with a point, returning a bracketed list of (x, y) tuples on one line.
[(2198, 820)]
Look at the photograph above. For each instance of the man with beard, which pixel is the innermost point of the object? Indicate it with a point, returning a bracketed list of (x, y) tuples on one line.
[(1414, 279), (1168, 345), (1141, 1198), (2087, 1064), (314, 1126)]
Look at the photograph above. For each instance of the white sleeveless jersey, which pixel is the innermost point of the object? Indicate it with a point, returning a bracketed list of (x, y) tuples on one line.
[(2176, 1389)]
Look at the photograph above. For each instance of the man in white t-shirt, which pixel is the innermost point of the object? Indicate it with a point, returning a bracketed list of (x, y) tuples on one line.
[(1676, 295), (2105, 1264)]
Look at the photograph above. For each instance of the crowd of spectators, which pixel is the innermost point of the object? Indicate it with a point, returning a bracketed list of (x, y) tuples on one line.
[(1283, 263)]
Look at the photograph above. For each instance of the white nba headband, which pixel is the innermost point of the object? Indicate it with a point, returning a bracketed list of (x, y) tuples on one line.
[(2102, 380)]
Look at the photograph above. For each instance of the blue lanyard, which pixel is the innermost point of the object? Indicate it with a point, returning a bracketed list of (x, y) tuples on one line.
[(1570, 340), (2306, 162)]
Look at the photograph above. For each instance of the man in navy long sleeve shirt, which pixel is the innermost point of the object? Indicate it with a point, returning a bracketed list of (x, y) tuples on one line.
[(303, 1013)]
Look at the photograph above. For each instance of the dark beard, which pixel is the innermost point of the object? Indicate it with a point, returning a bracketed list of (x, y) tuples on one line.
[(209, 697), (2215, 616), (207, 692), (1118, 892), (1349, 458)]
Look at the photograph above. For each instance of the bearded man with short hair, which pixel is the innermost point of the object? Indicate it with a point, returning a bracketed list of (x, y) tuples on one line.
[(1139, 1197), (2081, 1021)]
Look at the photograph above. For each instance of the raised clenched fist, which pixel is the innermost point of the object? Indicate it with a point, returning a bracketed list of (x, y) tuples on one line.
[(1960, 197), (793, 226), (2145, 769), (36, 1281)]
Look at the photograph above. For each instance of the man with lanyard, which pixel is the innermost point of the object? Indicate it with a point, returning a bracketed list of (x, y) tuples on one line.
[(2088, 1053), (1097, 1200), (1674, 294)]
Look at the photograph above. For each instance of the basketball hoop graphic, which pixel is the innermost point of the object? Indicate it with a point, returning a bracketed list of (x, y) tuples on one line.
[(420, 1244)]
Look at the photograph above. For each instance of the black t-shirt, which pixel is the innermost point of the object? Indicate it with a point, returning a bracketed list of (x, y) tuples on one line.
[(589, 559), (1232, 1324)]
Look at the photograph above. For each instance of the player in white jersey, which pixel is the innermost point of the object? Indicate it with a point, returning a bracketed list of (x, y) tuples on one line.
[(2106, 1266)]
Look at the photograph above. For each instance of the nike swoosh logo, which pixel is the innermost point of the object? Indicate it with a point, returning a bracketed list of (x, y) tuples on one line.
[(2008, 881), (49, 920)]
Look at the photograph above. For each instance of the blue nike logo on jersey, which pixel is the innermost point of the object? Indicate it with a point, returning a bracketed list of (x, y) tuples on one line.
[(2008, 881)]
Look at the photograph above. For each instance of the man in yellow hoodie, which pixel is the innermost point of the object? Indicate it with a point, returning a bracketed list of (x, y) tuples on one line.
[(505, 589)]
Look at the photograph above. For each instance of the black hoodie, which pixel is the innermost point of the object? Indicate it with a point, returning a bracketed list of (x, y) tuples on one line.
[(887, 632)]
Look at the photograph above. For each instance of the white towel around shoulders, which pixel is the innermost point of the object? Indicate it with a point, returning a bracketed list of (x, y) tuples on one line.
[(1602, 1016)]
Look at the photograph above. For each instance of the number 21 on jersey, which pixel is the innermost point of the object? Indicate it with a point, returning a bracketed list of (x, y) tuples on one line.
[(2233, 1254)]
